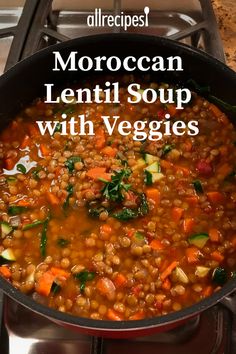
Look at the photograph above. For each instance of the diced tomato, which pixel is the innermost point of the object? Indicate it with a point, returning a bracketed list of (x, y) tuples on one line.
[(204, 168)]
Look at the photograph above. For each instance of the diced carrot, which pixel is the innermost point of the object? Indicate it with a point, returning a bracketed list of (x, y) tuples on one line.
[(5, 271), (171, 109), (184, 170), (166, 164), (168, 270), (25, 142), (44, 150), (215, 197), (206, 292), (192, 201), (217, 256), (214, 235), (154, 195), (137, 316), (98, 172), (100, 138), (177, 213), (58, 272), (24, 203), (105, 231), (188, 225), (9, 163), (107, 288), (120, 280), (53, 199), (215, 110), (44, 283), (164, 265), (192, 254), (224, 170), (166, 285), (156, 245), (114, 316), (109, 151)]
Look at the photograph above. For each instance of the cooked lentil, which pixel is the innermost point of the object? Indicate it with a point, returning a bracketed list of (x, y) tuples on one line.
[(83, 229)]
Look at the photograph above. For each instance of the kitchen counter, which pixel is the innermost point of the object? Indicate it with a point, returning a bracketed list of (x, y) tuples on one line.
[(225, 11)]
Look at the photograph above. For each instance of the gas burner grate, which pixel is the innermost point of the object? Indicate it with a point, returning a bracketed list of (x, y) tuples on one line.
[(40, 26)]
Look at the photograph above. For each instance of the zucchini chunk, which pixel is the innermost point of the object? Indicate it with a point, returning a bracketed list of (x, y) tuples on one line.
[(5, 228), (198, 240), (8, 255)]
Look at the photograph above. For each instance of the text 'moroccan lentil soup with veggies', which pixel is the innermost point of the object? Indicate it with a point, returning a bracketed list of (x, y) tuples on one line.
[(107, 227)]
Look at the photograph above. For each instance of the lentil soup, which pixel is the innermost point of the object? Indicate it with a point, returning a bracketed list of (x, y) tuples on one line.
[(107, 227)]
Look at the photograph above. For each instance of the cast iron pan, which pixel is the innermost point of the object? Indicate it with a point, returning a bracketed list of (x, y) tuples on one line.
[(25, 82)]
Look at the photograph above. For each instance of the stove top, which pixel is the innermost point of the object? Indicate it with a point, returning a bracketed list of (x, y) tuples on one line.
[(31, 333), (40, 23), (24, 30)]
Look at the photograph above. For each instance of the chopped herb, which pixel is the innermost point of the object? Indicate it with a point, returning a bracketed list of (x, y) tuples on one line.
[(70, 163), (167, 148), (21, 168), (147, 178), (219, 276), (35, 173), (143, 207), (113, 190), (70, 193), (126, 214), (55, 288), (43, 241), (58, 128), (83, 277), (62, 242), (110, 142), (16, 209), (198, 187), (69, 110), (34, 224)]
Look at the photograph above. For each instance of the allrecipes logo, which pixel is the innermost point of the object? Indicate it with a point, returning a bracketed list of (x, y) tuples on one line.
[(98, 19)]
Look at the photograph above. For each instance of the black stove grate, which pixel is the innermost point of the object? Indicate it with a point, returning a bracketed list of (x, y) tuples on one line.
[(37, 28)]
